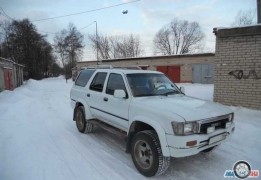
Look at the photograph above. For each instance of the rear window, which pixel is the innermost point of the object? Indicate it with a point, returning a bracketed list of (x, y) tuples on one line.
[(84, 77)]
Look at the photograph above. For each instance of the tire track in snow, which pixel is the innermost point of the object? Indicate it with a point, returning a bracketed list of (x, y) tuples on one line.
[(49, 106)]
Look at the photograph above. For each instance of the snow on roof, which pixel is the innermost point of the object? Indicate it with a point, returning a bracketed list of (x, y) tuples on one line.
[(152, 57), (10, 61), (220, 28)]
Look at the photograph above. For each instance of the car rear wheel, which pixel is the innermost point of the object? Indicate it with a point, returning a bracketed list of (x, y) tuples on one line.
[(83, 126)]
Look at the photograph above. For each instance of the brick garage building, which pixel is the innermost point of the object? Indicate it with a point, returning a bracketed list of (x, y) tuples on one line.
[(179, 68), (237, 79)]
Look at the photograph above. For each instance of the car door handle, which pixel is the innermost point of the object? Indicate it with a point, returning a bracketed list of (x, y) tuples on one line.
[(105, 99), (88, 95)]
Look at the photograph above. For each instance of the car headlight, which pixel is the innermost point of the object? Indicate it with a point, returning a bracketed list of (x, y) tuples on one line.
[(181, 128), (231, 117)]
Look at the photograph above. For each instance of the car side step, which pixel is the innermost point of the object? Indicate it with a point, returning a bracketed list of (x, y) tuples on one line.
[(109, 128)]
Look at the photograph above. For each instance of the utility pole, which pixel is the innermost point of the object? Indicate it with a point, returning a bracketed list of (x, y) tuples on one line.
[(96, 42), (258, 11)]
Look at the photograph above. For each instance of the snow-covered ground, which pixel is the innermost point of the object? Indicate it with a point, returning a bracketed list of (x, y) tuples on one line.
[(39, 140)]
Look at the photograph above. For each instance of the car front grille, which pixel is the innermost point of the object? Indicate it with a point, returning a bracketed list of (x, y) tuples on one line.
[(217, 122)]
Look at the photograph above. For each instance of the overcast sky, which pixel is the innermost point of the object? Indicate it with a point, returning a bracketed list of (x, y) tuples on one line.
[(144, 17)]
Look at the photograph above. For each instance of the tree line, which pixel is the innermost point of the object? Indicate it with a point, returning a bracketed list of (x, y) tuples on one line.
[(24, 44)]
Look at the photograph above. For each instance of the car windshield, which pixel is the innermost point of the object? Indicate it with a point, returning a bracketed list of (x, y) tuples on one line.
[(149, 84)]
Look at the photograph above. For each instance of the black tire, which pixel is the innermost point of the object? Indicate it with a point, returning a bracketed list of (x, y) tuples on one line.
[(147, 155), (82, 125)]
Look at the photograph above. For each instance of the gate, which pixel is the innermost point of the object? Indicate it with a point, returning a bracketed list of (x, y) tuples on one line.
[(202, 73)]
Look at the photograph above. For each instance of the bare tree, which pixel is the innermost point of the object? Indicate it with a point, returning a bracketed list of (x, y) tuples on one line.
[(126, 46), (178, 37), (103, 44), (162, 41), (74, 45), (60, 46), (110, 47), (244, 18), (129, 46), (69, 45), (8, 29)]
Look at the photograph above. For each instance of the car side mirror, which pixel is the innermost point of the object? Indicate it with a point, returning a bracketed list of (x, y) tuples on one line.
[(182, 89), (119, 93)]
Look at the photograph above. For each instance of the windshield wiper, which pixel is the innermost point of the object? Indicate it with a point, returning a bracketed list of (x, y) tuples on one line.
[(164, 94), (170, 92), (140, 95)]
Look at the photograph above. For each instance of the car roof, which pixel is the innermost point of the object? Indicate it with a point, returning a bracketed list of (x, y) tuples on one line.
[(127, 71)]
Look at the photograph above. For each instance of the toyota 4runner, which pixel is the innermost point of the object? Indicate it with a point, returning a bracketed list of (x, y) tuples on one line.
[(158, 119)]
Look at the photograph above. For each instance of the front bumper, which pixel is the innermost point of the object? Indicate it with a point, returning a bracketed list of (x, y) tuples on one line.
[(178, 148)]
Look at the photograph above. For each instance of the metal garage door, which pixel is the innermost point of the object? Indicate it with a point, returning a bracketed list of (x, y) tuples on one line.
[(173, 72), (202, 73), (8, 76)]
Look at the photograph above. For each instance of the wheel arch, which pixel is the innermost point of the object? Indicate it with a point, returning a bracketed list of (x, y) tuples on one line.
[(86, 110), (146, 124)]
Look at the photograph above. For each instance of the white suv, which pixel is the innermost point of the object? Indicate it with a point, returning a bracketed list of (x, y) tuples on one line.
[(158, 119)]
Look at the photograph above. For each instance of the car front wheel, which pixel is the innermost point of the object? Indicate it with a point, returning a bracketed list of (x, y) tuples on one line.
[(147, 155)]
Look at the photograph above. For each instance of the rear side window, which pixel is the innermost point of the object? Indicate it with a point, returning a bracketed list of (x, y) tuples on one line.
[(84, 77), (115, 82), (98, 82)]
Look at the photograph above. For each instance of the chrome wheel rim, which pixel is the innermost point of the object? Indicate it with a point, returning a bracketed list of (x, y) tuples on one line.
[(143, 154)]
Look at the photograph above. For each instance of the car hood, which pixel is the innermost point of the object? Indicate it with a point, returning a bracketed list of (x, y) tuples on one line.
[(187, 107)]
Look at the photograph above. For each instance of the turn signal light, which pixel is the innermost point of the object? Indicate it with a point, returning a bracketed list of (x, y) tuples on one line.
[(191, 143)]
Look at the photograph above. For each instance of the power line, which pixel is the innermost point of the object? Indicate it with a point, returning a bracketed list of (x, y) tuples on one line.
[(86, 26), (73, 14), (6, 14)]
